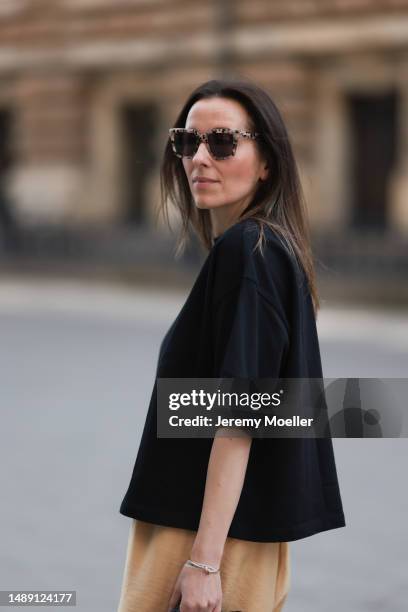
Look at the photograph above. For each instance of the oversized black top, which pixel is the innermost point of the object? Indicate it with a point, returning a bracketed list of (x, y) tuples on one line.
[(247, 316)]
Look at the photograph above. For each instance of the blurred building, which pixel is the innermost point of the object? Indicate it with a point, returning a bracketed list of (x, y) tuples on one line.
[(89, 88)]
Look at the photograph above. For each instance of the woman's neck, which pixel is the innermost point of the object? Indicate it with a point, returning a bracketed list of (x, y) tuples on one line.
[(224, 217)]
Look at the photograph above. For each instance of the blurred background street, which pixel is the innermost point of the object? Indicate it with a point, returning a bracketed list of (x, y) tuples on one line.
[(89, 282), (76, 370), (89, 89)]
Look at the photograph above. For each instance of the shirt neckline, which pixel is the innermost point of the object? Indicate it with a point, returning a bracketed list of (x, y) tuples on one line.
[(216, 238)]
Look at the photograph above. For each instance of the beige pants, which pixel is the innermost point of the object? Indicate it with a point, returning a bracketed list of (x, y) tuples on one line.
[(255, 576)]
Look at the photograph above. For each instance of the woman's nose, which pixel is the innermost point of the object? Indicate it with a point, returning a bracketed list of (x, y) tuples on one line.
[(201, 154)]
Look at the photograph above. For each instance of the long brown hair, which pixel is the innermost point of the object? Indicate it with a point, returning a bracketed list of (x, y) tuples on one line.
[(278, 201)]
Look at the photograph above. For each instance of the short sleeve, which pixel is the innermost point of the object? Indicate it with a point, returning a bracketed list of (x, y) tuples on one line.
[(250, 340)]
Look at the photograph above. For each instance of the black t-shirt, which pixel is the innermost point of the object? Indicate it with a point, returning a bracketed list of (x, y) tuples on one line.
[(247, 316)]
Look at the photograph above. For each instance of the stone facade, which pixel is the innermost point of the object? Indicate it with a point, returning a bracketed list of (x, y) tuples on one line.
[(81, 80)]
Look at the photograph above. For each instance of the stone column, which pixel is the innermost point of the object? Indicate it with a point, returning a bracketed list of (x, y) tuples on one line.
[(398, 187), (330, 181), (46, 182)]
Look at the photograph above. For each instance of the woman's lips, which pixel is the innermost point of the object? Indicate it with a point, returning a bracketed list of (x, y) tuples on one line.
[(203, 183)]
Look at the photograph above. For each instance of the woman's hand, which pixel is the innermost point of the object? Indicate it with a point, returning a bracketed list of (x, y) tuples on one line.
[(198, 591)]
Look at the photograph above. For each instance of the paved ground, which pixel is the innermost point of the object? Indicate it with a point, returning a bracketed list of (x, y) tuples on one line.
[(76, 369)]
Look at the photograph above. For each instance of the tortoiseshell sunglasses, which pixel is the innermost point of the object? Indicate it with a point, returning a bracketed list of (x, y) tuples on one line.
[(221, 142)]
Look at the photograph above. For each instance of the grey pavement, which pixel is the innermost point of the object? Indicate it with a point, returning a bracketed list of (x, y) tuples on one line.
[(77, 366)]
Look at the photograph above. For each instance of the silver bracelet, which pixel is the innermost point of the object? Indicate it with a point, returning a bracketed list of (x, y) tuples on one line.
[(208, 568)]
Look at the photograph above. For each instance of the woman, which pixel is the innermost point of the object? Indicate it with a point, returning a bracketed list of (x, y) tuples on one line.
[(213, 518)]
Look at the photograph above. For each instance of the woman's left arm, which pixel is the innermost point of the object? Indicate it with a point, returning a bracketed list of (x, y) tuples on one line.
[(225, 477)]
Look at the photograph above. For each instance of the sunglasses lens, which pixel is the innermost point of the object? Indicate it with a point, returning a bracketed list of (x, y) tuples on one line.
[(221, 145), (185, 143)]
